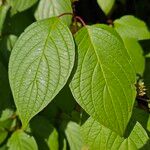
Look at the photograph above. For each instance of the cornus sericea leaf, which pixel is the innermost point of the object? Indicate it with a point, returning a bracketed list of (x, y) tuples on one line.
[(21, 5), (132, 27), (40, 65), (135, 52), (103, 83), (50, 8), (139, 137), (21, 141), (96, 136)]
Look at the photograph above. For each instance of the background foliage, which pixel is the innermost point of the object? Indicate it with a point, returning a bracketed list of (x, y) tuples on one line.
[(74, 74)]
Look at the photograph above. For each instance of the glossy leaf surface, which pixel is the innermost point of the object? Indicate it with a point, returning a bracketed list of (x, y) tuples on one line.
[(52, 8), (104, 79), (132, 27), (40, 65)]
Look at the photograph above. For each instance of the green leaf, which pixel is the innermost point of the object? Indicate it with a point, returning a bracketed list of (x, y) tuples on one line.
[(64, 144), (72, 132), (52, 8), (21, 5), (40, 65), (104, 79), (106, 5), (3, 135), (46, 135), (6, 114), (135, 52), (11, 41), (127, 144), (5, 119), (21, 141), (132, 27), (139, 137), (3, 12), (96, 136)]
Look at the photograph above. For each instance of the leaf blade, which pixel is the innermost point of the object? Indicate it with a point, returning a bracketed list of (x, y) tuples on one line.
[(139, 136), (45, 10), (95, 87), (21, 5), (21, 141), (40, 65), (96, 136), (132, 27), (135, 52)]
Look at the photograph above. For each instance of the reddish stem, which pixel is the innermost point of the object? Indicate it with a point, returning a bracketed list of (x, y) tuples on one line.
[(76, 17), (81, 20), (71, 14)]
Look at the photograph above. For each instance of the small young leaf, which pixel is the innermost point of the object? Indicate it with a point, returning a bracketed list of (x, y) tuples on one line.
[(6, 114), (21, 5), (52, 8), (106, 5), (104, 79), (132, 27), (40, 65), (5, 119), (21, 141)]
